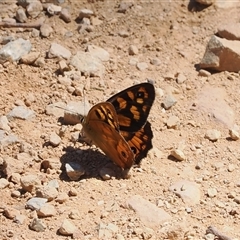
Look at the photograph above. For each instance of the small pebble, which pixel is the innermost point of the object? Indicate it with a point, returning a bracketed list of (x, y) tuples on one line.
[(124, 34), (155, 61), (142, 66), (181, 78), (231, 195), (11, 213), (231, 167), (74, 170), (213, 135), (133, 61), (199, 166), (40, 62), (21, 112), (212, 192), (237, 199), (173, 122), (234, 135), (47, 210), (159, 92), (63, 66), (85, 13), (169, 101), (35, 203), (147, 233), (132, 50), (62, 197), (96, 21), (65, 15), (204, 73), (19, 219), (47, 192), (35, 33), (30, 58), (54, 139), (53, 9), (30, 182), (16, 194), (34, 8), (106, 173), (37, 225), (188, 210), (46, 30), (3, 183), (124, 6), (121, 237), (74, 214), (209, 236), (4, 123), (73, 192), (21, 15), (54, 183), (178, 154), (67, 228)]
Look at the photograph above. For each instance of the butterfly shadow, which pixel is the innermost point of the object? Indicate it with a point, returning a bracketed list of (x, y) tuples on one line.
[(87, 163)]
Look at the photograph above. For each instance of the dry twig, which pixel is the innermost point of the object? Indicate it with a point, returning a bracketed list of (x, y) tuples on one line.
[(215, 232), (36, 24)]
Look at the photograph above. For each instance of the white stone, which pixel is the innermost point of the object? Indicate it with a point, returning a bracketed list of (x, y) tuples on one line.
[(3, 183), (67, 228), (149, 213), (188, 191), (213, 135), (57, 50), (4, 123)]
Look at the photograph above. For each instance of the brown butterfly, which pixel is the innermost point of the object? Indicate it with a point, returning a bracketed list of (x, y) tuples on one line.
[(119, 126)]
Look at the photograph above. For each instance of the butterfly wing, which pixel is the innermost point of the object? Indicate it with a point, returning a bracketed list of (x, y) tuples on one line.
[(140, 142), (133, 105), (101, 126)]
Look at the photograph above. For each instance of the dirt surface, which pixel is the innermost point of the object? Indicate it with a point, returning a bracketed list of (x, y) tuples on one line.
[(169, 32)]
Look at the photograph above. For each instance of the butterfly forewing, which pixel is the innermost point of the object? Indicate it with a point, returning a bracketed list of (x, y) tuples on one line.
[(101, 125), (133, 105)]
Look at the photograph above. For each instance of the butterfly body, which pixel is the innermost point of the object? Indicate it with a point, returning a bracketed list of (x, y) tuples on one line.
[(119, 126)]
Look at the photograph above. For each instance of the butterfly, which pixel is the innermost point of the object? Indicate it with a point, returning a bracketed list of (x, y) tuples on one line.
[(119, 126)]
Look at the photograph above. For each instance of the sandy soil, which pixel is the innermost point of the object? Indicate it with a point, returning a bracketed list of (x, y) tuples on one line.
[(176, 37)]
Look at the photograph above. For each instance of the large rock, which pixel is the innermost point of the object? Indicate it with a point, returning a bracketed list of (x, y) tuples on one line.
[(226, 4), (21, 112), (151, 215), (13, 51), (206, 2), (230, 31), (221, 55), (57, 50)]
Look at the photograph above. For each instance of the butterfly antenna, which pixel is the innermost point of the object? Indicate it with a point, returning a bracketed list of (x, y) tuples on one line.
[(65, 109), (60, 107), (84, 102)]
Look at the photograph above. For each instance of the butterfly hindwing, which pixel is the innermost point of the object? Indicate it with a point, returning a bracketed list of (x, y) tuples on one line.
[(133, 105), (101, 126), (140, 142)]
